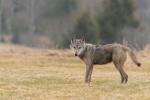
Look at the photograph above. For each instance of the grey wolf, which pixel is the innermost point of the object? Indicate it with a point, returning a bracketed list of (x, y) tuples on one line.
[(92, 55)]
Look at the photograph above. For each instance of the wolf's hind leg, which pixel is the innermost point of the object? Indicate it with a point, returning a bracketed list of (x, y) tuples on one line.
[(124, 76), (118, 67), (119, 58)]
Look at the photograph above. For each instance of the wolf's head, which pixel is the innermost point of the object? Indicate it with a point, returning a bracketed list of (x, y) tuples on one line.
[(78, 45)]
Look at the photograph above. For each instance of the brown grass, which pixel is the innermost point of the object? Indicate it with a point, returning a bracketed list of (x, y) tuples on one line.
[(33, 74)]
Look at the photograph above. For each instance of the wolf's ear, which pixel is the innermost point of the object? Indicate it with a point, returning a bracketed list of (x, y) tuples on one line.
[(83, 39), (71, 43), (72, 40), (70, 46)]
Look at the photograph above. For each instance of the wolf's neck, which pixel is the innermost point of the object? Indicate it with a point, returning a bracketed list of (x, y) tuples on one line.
[(82, 54), (88, 51)]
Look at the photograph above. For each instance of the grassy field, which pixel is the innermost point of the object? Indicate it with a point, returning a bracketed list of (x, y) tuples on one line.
[(33, 74)]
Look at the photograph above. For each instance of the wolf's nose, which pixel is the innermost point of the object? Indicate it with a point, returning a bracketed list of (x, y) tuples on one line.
[(76, 54)]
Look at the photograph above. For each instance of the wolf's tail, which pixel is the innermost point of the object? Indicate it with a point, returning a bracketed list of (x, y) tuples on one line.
[(132, 55)]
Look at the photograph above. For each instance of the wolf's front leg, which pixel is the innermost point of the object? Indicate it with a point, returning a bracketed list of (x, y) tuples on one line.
[(88, 73)]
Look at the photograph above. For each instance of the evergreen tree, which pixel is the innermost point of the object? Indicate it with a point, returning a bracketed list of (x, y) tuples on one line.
[(116, 15), (59, 8), (86, 27)]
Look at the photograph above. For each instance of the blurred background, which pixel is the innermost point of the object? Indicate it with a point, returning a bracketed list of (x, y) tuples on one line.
[(52, 23)]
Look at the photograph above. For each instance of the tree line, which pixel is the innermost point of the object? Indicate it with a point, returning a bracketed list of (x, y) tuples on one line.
[(54, 22)]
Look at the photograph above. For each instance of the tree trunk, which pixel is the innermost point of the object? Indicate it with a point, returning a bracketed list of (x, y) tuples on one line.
[(13, 25), (32, 16), (1, 15)]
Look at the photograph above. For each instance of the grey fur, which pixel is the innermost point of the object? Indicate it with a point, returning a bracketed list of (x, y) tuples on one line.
[(102, 54)]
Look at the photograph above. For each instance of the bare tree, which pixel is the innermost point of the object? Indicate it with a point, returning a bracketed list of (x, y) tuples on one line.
[(1, 14), (13, 19), (1, 20), (31, 10)]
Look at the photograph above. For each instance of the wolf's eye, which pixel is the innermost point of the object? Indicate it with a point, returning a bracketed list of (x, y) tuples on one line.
[(79, 47)]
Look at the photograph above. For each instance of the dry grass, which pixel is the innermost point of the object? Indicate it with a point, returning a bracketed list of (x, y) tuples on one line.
[(31, 74)]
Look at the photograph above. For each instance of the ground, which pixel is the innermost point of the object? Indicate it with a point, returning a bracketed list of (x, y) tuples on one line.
[(34, 74)]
